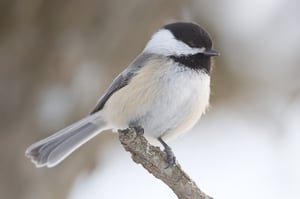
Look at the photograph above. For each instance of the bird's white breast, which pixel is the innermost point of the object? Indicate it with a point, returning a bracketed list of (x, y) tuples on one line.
[(165, 99)]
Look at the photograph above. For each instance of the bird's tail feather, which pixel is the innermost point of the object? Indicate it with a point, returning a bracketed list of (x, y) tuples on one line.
[(52, 150)]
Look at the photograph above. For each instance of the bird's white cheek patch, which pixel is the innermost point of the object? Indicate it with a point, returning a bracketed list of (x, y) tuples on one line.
[(164, 43)]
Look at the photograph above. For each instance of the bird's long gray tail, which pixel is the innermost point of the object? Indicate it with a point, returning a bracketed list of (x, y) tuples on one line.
[(52, 150)]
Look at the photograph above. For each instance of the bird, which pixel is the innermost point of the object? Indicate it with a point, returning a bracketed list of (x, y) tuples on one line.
[(164, 91)]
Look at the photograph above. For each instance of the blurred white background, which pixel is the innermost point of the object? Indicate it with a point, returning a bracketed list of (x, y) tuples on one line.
[(57, 57)]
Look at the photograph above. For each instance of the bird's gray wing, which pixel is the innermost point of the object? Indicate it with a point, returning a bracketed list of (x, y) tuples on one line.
[(122, 79)]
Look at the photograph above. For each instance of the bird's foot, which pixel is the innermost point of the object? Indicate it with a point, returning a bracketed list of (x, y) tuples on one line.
[(138, 129), (170, 157)]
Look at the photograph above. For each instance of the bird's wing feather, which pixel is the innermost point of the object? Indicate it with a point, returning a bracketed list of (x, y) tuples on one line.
[(122, 80)]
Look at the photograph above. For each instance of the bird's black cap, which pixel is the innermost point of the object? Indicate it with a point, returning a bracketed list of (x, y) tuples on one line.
[(191, 34)]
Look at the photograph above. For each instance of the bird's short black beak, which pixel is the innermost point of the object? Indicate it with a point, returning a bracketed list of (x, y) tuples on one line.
[(211, 52)]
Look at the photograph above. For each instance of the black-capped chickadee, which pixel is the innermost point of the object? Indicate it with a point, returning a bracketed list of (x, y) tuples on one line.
[(164, 90)]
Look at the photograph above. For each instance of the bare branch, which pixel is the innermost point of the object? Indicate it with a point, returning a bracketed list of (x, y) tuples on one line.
[(153, 160)]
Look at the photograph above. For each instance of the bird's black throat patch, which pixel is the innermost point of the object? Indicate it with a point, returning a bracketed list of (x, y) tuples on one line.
[(198, 62)]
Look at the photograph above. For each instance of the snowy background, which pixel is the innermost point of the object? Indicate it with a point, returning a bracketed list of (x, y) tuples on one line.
[(57, 57)]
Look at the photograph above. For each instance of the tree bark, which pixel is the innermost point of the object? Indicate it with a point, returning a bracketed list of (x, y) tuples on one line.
[(154, 161)]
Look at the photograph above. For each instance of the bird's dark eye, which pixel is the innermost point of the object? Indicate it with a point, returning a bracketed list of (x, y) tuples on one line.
[(192, 44)]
